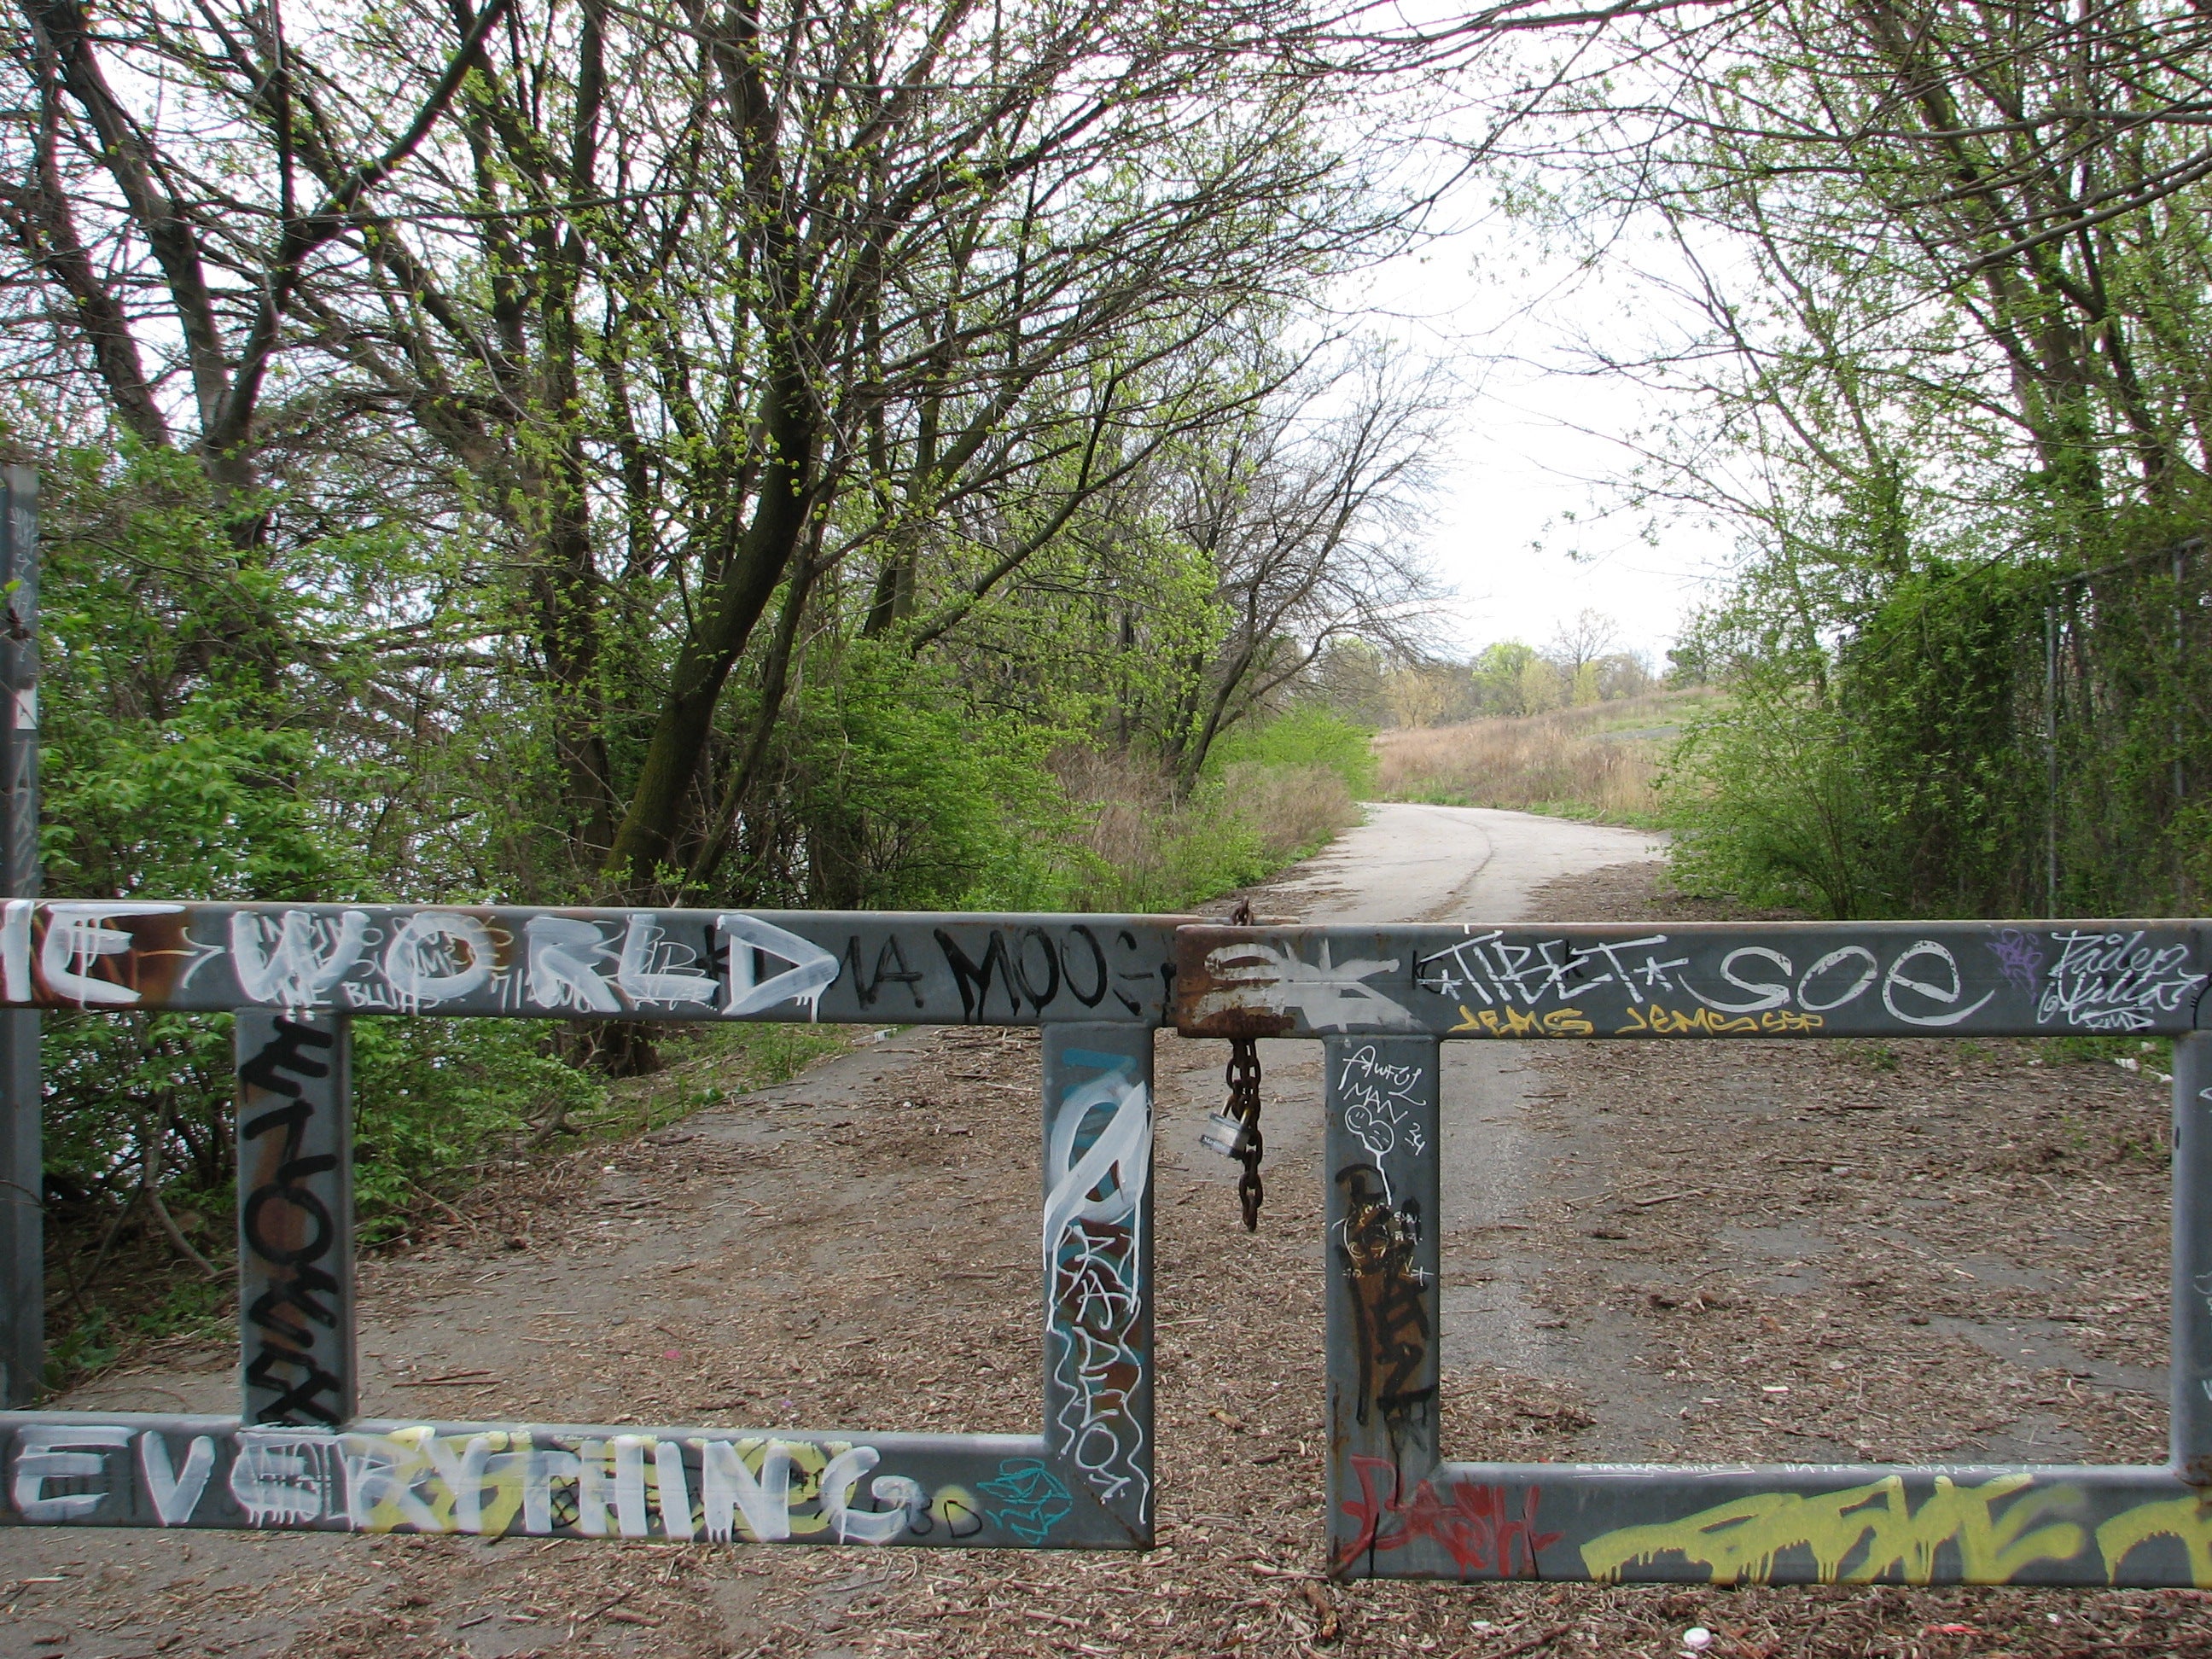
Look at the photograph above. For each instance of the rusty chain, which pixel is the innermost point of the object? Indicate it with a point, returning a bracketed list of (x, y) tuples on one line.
[(1244, 1108), (1236, 1127)]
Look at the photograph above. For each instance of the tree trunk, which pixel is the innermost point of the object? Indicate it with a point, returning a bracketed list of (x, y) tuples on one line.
[(746, 581)]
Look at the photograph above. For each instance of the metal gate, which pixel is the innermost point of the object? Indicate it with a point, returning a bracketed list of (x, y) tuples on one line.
[(1379, 1000)]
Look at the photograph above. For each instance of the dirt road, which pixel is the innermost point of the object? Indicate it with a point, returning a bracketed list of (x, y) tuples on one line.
[(1691, 1250)]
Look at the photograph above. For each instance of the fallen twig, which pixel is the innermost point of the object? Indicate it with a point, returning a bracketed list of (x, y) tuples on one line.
[(1533, 1643)]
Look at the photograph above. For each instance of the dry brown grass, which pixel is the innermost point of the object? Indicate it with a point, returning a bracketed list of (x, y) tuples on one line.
[(1144, 849), (1598, 762), (1291, 809)]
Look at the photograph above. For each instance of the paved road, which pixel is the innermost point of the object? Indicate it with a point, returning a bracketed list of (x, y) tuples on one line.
[(1411, 863)]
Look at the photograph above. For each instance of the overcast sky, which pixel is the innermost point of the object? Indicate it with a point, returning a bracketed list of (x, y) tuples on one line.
[(1528, 438)]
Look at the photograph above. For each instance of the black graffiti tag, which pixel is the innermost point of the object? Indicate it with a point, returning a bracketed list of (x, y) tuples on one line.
[(890, 969), (290, 1230), (1377, 1256)]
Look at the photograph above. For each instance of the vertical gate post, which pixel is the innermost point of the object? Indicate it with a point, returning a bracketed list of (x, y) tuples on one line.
[(1098, 1266), (23, 1168), (1383, 1253), (294, 1218), (2191, 1381)]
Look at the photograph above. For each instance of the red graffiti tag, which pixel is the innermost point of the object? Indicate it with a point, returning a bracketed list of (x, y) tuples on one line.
[(1470, 1522)]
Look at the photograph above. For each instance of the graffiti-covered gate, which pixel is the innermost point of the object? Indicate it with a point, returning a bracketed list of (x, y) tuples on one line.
[(1379, 1000), (298, 1456)]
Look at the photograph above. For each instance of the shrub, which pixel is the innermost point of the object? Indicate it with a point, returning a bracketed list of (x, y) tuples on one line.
[(1307, 736), (1769, 802)]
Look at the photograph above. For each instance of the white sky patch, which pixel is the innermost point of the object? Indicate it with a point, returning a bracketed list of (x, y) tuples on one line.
[(1519, 528)]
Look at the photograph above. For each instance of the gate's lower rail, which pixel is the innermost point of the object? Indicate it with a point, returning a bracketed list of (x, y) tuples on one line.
[(1381, 1000)]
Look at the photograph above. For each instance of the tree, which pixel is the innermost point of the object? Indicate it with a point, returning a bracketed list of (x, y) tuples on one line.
[(1943, 270), (679, 309), (1299, 517), (1502, 679)]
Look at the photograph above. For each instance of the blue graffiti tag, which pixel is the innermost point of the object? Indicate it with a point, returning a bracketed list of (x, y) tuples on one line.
[(1031, 1497)]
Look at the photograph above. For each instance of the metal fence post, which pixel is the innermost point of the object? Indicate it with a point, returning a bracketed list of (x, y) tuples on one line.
[(22, 1169), (1381, 1163), (2191, 1381), (1098, 1266), (294, 1218)]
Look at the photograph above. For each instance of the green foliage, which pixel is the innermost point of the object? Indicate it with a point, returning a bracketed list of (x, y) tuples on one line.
[(1910, 771), (1273, 792), (1166, 854), (2077, 1048), (1507, 679), (1769, 802), (895, 792), (1305, 735), (170, 759), (705, 1065), (433, 1097)]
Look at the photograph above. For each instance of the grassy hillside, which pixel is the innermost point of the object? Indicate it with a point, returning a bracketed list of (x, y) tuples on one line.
[(1599, 762)]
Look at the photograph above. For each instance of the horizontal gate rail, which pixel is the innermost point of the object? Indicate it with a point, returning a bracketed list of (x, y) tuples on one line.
[(1381, 1000), (863, 967), (1698, 979)]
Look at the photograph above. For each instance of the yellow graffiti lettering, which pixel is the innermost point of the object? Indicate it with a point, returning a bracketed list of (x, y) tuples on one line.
[(1513, 1023), (1781, 1019), (430, 1483), (1738, 1541), (1658, 1021), (2189, 1520)]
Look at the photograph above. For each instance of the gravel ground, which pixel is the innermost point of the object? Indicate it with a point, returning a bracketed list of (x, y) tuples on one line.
[(1823, 1250)]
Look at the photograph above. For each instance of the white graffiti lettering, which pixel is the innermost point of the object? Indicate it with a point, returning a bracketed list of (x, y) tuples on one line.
[(812, 969), (2114, 981), (1093, 1242), (436, 956), (564, 954), (1851, 992), (1496, 970), (176, 1492), (1898, 980), (1328, 995), (76, 938), (307, 958), (654, 969), (1381, 1103), (56, 1452), (731, 1488), (1764, 993), (16, 950), (490, 1481), (281, 1478)]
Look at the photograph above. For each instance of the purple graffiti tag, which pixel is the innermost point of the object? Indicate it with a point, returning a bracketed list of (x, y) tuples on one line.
[(2019, 958)]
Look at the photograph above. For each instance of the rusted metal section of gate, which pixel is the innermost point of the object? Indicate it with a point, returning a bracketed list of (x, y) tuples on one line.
[(1382, 1001), (298, 1457)]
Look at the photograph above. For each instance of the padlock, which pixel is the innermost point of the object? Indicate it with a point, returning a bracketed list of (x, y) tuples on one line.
[(1231, 1137)]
